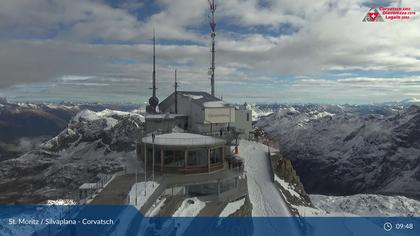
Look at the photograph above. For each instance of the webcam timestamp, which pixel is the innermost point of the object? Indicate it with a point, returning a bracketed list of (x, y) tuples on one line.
[(398, 226)]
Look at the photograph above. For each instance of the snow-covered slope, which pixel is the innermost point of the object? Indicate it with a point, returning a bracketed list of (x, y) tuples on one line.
[(259, 111), (264, 196), (24, 125), (368, 205), (94, 143), (350, 149)]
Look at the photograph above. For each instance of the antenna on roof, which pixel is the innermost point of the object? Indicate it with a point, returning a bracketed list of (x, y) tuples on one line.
[(154, 64), (153, 100), (176, 93), (213, 36)]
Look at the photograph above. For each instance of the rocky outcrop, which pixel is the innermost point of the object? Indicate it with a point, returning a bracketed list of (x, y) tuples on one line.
[(289, 184)]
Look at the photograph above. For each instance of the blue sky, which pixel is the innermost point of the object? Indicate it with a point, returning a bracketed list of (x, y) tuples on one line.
[(267, 50)]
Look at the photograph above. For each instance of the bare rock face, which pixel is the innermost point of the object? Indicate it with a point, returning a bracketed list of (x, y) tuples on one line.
[(288, 183), (343, 150), (94, 143), (285, 171)]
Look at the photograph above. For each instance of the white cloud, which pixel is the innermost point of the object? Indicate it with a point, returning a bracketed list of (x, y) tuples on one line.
[(404, 80), (75, 19), (327, 35)]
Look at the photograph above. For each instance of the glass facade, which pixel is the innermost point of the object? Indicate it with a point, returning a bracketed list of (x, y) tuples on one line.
[(187, 161)]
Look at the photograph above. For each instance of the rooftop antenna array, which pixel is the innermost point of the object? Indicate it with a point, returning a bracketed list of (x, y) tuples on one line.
[(213, 36)]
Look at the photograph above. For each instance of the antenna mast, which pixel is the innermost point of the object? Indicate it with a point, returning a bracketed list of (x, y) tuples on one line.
[(153, 100), (154, 64), (176, 94), (213, 36)]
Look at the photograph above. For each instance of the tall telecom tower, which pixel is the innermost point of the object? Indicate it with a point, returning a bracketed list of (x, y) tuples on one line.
[(213, 36)]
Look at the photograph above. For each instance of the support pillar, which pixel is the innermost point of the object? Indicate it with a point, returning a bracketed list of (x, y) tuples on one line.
[(223, 154), (161, 160), (208, 159), (145, 163), (185, 160), (174, 158)]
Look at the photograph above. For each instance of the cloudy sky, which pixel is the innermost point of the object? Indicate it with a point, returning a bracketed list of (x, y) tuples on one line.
[(267, 50)]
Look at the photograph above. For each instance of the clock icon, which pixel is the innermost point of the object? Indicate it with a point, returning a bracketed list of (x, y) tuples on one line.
[(387, 226)]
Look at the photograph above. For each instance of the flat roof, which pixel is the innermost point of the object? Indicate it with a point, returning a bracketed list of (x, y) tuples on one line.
[(184, 139)]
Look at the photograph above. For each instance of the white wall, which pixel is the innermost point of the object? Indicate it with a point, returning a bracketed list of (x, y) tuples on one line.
[(219, 115), (243, 122)]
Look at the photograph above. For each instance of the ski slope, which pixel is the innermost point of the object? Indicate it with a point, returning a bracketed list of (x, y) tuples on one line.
[(264, 196)]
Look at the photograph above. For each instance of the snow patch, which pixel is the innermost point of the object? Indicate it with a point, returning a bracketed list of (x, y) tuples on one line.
[(286, 186), (105, 114), (86, 115), (190, 207), (110, 123), (232, 207), (144, 191), (61, 202)]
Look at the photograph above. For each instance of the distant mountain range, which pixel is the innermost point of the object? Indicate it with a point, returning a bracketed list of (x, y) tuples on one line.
[(335, 149), (23, 126), (91, 145), (344, 149), (30, 120)]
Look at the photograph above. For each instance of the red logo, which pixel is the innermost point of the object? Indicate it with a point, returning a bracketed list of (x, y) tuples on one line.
[(373, 15)]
